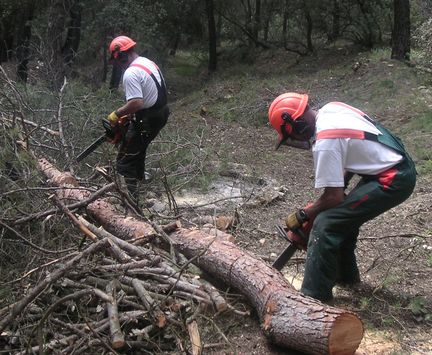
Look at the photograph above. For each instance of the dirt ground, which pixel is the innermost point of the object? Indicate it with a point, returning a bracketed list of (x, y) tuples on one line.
[(394, 250)]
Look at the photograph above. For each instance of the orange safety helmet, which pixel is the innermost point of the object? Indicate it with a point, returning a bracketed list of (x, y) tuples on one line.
[(284, 110), (120, 44)]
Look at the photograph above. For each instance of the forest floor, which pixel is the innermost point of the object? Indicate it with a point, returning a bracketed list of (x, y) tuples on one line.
[(394, 250), (223, 117)]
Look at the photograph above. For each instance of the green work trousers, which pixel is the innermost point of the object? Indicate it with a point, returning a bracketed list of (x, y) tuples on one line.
[(331, 248)]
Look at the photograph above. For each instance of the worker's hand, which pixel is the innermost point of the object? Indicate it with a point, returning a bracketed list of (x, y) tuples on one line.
[(296, 219), (300, 237), (113, 118)]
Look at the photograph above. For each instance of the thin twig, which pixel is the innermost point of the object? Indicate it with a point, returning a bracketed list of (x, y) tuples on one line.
[(34, 246)]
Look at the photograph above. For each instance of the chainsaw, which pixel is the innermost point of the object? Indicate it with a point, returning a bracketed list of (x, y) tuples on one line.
[(113, 135), (296, 239)]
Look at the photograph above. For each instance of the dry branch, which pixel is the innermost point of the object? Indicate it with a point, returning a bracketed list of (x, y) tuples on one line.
[(117, 336), (148, 302), (195, 338), (72, 206), (18, 307), (31, 123), (101, 210)]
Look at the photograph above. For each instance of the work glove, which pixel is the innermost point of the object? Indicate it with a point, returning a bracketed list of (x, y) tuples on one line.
[(301, 240), (296, 219), (113, 118)]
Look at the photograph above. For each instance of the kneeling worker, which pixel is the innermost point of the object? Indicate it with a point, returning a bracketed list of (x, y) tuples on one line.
[(345, 141)]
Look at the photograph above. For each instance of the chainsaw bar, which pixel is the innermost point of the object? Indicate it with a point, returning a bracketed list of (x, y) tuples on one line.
[(289, 251), (284, 257), (91, 148)]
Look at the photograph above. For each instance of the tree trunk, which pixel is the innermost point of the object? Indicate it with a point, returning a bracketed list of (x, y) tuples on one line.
[(53, 57), (23, 41), (335, 26), (116, 75), (100, 210), (285, 23), (309, 27), (211, 35), (7, 29), (257, 20), (73, 35), (288, 318), (401, 39)]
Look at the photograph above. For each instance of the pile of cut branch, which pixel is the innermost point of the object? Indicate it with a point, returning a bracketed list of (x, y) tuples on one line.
[(111, 295)]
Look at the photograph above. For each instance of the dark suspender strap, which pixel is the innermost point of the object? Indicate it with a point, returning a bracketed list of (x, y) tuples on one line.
[(162, 96), (149, 72)]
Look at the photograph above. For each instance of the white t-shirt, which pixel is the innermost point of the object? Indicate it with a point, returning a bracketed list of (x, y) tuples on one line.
[(138, 83), (334, 156)]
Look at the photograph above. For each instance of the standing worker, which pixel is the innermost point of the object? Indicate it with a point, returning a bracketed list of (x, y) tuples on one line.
[(146, 106), (345, 141)]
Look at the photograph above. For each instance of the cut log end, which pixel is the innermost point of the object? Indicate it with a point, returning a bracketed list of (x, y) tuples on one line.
[(346, 335)]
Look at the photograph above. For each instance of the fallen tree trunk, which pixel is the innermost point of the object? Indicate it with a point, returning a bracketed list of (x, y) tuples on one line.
[(288, 318), (100, 209)]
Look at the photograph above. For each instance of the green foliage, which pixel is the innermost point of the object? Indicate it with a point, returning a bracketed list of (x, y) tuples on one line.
[(380, 53), (422, 37), (419, 309), (389, 280), (417, 305), (364, 303)]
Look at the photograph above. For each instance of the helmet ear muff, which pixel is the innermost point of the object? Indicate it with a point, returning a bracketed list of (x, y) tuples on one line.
[(122, 57), (287, 118), (119, 55), (299, 125)]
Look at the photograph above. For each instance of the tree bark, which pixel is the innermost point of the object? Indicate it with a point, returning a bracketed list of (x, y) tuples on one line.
[(73, 35), (401, 39), (335, 26), (257, 20), (211, 36), (288, 318), (285, 22), (309, 27), (23, 41), (101, 210)]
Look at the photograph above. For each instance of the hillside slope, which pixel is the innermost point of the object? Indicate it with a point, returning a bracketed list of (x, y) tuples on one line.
[(394, 250)]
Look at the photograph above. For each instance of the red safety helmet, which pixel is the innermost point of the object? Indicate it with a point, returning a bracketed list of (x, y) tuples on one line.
[(120, 44), (284, 110)]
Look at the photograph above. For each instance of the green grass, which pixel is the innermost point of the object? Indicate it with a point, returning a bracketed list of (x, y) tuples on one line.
[(377, 54), (421, 126), (187, 64), (417, 306), (422, 123)]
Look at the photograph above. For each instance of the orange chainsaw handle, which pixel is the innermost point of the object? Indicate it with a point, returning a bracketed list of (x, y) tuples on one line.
[(115, 132), (301, 236)]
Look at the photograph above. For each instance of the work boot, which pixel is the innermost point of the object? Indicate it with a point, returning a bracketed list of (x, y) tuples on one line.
[(132, 186), (350, 281)]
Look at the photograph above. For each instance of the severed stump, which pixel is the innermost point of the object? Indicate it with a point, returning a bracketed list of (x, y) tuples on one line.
[(288, 318)]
